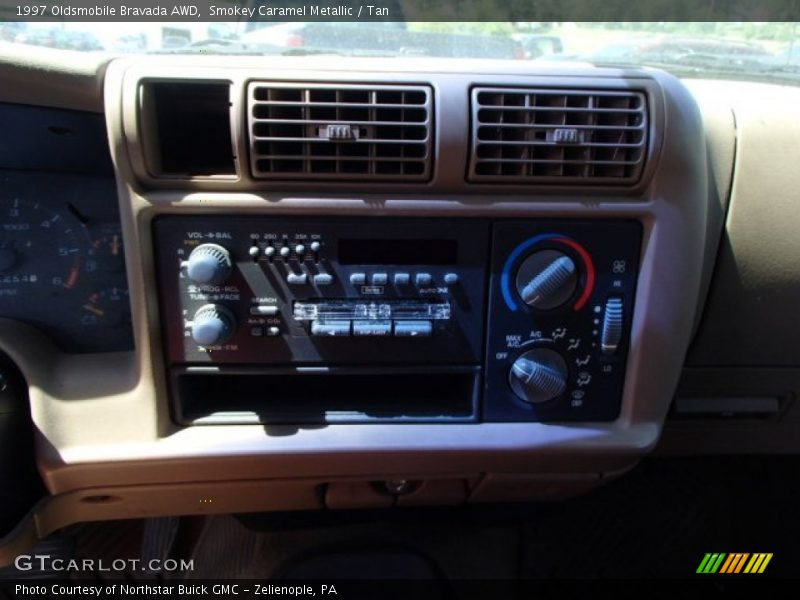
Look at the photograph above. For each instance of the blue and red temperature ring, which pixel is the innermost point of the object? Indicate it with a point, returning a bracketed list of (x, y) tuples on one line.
[(588, 265)]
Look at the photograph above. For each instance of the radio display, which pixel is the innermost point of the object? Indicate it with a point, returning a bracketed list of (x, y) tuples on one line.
[(397, 252)]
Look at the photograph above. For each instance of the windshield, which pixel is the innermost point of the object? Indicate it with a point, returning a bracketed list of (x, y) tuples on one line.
[(734, 50)]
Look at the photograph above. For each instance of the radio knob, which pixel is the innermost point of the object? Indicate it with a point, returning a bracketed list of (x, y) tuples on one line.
[(209, 264), (539, 375), (547, 279), (212, 325)]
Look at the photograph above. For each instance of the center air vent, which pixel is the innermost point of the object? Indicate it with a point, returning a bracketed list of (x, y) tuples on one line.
[(340, 131), (522, 135)]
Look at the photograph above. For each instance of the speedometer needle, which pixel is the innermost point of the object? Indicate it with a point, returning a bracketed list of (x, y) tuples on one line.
[(72, 279)]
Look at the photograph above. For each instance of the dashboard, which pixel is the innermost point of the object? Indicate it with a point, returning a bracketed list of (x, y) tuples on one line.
[(288, 281)]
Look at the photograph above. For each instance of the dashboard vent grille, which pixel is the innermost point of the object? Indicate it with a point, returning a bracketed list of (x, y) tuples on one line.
[(560, 136), (340, 131)]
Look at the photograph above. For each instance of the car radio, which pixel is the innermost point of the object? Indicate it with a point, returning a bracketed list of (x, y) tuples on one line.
[(271, 319)]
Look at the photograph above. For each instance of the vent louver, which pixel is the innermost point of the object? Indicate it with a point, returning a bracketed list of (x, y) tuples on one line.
[(340, 131), (522, 135)]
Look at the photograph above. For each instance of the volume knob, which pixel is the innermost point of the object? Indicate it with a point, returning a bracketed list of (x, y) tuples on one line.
[(547, 279), (212, 325), (539, 375), (209, 264)]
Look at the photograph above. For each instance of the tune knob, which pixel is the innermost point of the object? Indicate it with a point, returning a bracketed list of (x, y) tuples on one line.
[(539, 375), (547, 279), (212, 325), (209, 264)]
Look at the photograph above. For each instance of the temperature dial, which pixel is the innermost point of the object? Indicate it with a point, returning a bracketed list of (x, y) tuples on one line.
[(539, 375), (209, 264), (212, 325), (547, 279)]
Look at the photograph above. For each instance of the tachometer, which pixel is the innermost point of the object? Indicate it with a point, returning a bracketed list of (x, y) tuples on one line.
[(41, 251)]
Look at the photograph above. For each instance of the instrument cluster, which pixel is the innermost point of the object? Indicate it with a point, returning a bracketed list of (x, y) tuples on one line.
[(62, 265)]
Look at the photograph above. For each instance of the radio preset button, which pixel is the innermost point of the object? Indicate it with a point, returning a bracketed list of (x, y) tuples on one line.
[(423, 279), (372, 328), (297, 279), (323, 279), (358, 278), (402, 278), (273, 331), (413, 328), (330, 328), (380, 279), (451, 278), (264, 310)]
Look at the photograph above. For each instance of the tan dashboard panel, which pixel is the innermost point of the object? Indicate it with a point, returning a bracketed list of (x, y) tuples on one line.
[(104, 420), (755, 292), (50, 77)]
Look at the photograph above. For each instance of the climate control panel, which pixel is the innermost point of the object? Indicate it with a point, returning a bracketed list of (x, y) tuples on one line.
[(561, 302), (537, 312)]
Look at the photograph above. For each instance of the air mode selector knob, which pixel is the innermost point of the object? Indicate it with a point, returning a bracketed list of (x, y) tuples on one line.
[(539, 375), (212, 325), (547, 279), (209, 264)]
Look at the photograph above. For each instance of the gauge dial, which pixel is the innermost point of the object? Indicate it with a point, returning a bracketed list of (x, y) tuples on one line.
[(41, 251), (108, 307), (62, 269), (106, 253)]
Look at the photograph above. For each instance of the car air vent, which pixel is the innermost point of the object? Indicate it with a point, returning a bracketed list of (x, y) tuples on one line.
[(522, 135), (340, 131)]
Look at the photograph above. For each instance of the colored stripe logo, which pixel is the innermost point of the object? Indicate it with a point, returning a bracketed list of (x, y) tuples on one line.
[(733, 563)]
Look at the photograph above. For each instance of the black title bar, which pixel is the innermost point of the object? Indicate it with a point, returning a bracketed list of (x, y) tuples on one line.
[(401, 10)]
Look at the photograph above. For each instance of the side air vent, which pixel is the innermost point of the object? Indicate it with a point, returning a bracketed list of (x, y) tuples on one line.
[(340, 131), (522, 135)]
